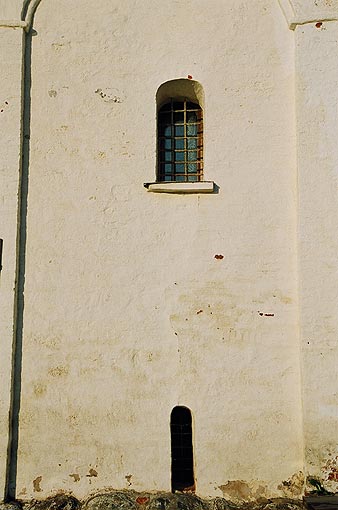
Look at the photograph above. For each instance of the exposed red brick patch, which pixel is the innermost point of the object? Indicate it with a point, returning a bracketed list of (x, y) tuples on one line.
[(142, 500), (319, 24)]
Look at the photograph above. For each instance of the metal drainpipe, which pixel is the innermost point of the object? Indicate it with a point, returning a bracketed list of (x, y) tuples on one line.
[(12, 450)]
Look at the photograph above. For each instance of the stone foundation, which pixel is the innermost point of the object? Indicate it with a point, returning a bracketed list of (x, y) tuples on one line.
[(131, 500)]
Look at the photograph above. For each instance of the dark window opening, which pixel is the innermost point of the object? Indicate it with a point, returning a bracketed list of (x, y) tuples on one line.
[(182, 465), (180, 142)]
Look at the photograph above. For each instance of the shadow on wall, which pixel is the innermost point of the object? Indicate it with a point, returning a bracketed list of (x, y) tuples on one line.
[(12, 450)]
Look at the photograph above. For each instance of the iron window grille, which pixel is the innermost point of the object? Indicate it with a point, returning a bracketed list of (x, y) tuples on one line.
[(180, 142)]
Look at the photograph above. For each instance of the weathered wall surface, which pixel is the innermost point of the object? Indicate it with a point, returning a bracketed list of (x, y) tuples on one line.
[(11, 10), (313, 8), (10, 144), (318, 221), (127, 311)]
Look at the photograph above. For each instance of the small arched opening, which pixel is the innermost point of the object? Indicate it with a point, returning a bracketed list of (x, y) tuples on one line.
[(182, 461)]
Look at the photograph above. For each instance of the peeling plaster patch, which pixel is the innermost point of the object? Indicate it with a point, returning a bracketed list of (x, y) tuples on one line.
[(293, 486), (110, 95), (52, 93), (219, 257), (100, 155), (128, 478), (62, 129), (58, 371), (92, 472), (36, 484), (39, 389), (57, 46), (238, 490), (75, 477), (330, 470)]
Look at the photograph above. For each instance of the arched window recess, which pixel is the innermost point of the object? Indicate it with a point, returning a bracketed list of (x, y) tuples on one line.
[(180, 143), (182, 458)]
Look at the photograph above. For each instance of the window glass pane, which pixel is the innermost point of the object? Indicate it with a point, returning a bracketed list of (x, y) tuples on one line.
[(179, 156), (164, 130), (191, 117), (179, 168), (179, 143), (192, 143), (180, 178), (166, 143), (191, 129), (192, 168), (178, 117), (192, 178), (192, 155), (179, 130)]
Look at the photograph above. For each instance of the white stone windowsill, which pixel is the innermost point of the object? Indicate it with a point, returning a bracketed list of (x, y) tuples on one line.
[(181, 187)]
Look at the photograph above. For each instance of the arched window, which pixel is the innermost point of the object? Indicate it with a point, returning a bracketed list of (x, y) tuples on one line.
[(182, 463), (180, 141), (180, 131)]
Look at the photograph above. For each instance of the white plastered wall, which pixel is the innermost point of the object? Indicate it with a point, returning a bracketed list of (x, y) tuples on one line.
[(127, 311), (11, 40), (317, 99)]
